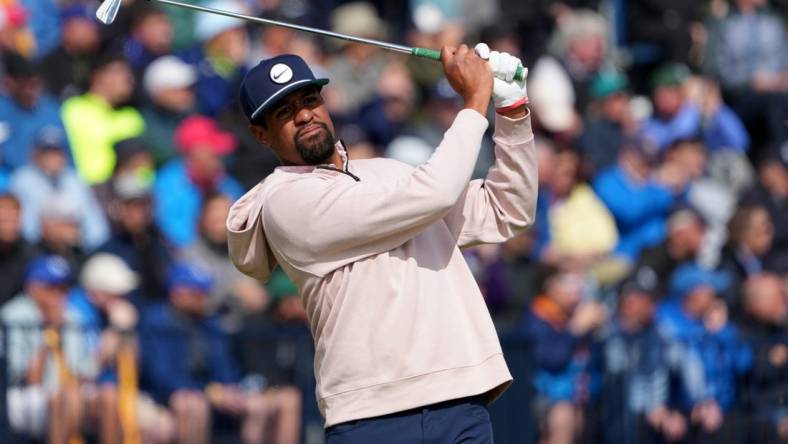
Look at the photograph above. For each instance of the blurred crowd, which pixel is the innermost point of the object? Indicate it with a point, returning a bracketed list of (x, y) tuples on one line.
[(653, 287)]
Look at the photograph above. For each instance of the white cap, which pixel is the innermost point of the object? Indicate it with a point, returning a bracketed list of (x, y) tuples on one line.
[(168, 72), (208, 26), (108, 273), (551, 95)]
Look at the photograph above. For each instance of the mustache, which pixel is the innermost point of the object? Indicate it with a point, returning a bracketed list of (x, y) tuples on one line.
[(307, 127)]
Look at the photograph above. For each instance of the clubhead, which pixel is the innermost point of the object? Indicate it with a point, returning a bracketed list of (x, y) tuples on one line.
[(107, 11)]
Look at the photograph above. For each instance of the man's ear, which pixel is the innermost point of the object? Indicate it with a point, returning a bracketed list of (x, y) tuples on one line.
[(260, 134)]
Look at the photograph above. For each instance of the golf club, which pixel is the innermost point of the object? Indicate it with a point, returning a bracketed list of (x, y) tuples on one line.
[(108, 10)]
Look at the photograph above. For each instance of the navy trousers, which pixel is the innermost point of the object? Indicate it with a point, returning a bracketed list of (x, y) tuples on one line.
[(461, 421)]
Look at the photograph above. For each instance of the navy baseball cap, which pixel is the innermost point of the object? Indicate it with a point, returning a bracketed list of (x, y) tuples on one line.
[(190, 275), (49, 270), (273, 79)]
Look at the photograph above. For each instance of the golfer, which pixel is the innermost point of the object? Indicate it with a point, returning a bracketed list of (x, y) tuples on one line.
[(405, 350)]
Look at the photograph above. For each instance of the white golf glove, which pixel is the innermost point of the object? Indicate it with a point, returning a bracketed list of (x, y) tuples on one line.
[(507, 92)]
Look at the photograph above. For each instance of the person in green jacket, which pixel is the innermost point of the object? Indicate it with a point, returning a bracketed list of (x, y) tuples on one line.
[(97, 119)]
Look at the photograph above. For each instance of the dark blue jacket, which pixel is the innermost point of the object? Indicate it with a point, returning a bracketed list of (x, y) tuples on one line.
[(562, 361), (183, 353), (710, 361)]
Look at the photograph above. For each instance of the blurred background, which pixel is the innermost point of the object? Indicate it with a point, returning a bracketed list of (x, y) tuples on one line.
[(647, 304)]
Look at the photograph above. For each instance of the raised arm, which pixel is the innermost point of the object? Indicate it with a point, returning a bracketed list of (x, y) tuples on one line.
[(319, 225), (504, 203)]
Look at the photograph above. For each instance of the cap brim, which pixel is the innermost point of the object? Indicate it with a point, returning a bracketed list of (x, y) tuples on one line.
[(271, 101)]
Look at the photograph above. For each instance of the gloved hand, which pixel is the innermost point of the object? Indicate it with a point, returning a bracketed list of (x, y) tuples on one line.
[(507, 92)]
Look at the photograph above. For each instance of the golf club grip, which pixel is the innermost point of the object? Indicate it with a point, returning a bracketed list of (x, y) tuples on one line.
[(432, 54)]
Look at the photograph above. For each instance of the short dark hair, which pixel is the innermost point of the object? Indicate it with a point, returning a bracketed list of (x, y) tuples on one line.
[(18, 66)]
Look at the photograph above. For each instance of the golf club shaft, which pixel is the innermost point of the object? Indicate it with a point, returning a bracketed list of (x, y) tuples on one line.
[(350, 38), (418, 52)]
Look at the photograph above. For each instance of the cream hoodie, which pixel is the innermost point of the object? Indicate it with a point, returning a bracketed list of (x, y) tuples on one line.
[(397, 318)]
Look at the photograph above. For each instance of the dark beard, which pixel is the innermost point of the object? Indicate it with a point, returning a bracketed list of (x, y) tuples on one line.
[(318, 149)]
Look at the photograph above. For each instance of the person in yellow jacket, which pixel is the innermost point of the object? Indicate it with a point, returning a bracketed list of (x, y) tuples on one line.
[(97, 119)]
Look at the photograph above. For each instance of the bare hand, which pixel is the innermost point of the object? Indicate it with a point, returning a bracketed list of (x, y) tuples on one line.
[(469, 75), (587, 317)]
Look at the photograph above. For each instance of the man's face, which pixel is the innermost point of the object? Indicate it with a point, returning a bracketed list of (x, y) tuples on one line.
[(135, 215), (190, 301), (116, 81), (24, 90), (155, 33), (10, 221), (50, 160), (81, 36), (299, 129), (214, 215), (668, 100)]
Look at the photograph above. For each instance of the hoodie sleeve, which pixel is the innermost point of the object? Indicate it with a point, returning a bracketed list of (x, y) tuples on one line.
[(317, 225), (503, 204), (246, 239)]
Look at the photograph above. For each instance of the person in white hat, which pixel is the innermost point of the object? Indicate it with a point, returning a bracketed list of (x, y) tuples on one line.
[(169, 86), (109, 319), (221, 59)]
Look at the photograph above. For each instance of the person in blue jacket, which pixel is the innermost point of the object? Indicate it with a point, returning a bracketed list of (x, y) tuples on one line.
[(24, 110), (695, 322), (559, 326), (182, 184), (677, 118), (639, 198), (188, 365)]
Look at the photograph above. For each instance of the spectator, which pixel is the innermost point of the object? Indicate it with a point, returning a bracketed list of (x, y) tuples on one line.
[(612, 123), (24, 110), (15, 35), (685, 229), (637, 364), (765, 304), (712, 354), (771, 191), (169, 84), (639, 202), (45, 359), (98, 118), (235, 296), (580, 46), (389, 111), (134, 163), (66, 68), (750, 236), (676, 117), (189, 366), (61, 232), (136, 239), (49, 175), (220, 59), (565, 201), (358, 65), (746, 52), (109, 320), (559, 326), (181, 185), (15, 251), (45, 28), (150, 37)]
